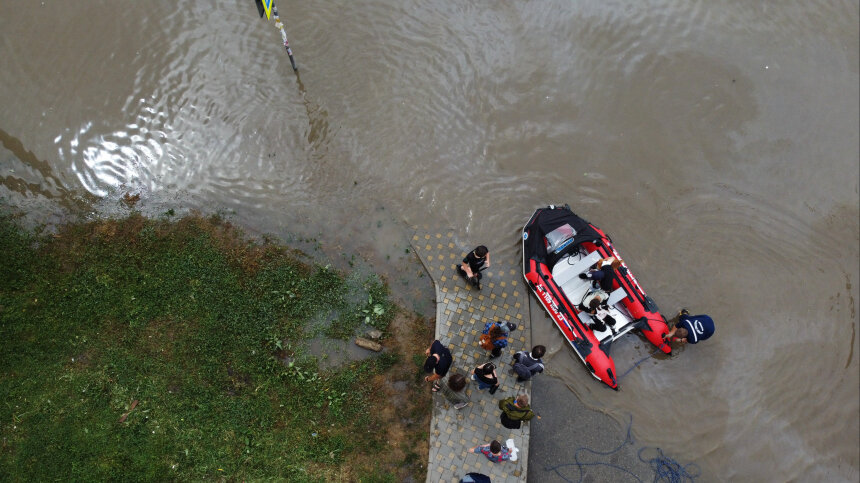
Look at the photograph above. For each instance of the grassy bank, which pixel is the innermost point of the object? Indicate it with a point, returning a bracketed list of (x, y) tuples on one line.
[(144, 349)]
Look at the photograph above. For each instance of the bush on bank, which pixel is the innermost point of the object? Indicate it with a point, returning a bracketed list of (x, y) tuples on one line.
[(143, 349)]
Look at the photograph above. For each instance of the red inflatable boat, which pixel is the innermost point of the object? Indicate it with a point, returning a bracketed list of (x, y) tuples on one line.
[(558, 246)]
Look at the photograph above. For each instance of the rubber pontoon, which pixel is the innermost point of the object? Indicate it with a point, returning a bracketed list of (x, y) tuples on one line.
[(558, 245)]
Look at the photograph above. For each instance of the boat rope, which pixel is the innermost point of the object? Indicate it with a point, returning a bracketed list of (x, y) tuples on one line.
[(665, 468), (637, 364)]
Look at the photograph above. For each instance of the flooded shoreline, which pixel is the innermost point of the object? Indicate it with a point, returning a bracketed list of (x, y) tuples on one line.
[(715, 143)]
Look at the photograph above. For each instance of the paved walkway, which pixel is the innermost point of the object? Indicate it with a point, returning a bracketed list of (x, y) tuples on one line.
[(461, 312)]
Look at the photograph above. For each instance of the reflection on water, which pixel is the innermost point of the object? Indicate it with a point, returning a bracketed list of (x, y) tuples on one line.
[(716, 143)]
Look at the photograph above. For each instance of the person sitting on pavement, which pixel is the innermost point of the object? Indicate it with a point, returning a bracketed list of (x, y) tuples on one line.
[(691, 328), (494, 451), (515, 411), (438, 361), (473, 263), (454, 390), (527, 364), (494, 337), (486, 377)]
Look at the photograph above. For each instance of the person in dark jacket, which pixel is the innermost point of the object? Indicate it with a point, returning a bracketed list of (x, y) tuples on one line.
[(527, 364), (475, 478), (438, 361), (515, 411), (691, 328), (604, 273)]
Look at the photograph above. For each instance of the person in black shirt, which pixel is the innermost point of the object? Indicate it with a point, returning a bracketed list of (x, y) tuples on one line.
[(438, 361), (473, 263), (486, 377)]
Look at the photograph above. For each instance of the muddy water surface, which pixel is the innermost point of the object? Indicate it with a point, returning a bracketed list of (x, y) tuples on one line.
[(717, 142)]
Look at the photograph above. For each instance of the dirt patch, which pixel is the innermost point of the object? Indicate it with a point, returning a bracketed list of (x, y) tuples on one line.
[(81, 361), (404, 404), (131, 199)]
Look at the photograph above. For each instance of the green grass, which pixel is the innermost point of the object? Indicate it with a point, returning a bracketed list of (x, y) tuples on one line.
[(191, 320)]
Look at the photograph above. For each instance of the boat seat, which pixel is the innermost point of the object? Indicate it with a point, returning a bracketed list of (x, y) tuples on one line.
[(585, 318), (616, 296), (567, 271)]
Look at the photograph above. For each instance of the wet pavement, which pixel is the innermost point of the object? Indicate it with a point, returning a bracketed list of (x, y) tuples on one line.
[(461, 313)]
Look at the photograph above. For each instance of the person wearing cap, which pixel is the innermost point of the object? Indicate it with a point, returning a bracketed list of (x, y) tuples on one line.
[(494, 337), (438, 361), (691, 328)]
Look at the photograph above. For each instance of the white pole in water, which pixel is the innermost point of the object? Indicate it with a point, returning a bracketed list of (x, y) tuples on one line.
[(284, 37)]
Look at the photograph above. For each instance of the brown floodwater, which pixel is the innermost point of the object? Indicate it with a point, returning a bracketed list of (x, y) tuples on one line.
[(717, 143)]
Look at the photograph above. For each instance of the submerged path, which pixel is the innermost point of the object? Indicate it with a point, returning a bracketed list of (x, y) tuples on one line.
[(461, 312)]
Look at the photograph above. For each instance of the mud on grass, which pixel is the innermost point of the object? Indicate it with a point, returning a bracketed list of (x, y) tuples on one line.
[(142, 349)]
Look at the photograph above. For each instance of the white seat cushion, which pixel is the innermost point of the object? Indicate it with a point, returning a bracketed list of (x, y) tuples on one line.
[(564, 270), (616, 296)]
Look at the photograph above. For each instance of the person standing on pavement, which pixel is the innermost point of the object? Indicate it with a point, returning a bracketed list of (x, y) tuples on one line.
[(473, 263), (515, 411), (486, 377), (438, 361), (494, 337), (494, 451), (454, 390)]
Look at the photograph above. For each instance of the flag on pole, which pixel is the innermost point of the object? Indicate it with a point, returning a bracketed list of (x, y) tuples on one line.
[(267, 4)]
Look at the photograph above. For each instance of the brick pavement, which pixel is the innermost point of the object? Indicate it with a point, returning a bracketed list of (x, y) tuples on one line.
[(461, 312)]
